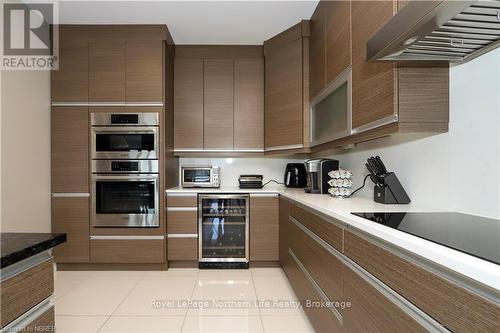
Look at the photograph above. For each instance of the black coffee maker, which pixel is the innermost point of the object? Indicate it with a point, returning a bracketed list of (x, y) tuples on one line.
[(295, 175), (317, 174)]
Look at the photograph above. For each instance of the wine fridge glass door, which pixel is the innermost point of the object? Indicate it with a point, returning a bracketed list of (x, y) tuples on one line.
[(224, 228)]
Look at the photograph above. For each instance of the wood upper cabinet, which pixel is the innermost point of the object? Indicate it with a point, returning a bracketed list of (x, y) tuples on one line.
[(188, 103), (144, 70), (71, 216), (283, 102), (218, 104), (374, 84), (248, 103), (70, 150), (317, 50), (70, 83), (107, 70), (338, 37), (371, 311), (264, 228)]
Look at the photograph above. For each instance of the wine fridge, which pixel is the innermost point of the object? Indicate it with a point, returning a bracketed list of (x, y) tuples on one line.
[(223, 230)]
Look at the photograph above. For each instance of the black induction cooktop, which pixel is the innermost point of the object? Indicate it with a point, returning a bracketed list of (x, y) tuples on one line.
[(474, 235)]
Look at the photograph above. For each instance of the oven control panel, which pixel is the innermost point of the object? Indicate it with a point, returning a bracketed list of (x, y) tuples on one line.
[(124, 166)]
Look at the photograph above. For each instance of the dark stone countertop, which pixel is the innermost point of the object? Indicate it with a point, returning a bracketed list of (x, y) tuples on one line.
[(17, 246)]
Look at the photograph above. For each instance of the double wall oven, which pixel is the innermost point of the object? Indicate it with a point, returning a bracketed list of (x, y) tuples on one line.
[(125, 177)]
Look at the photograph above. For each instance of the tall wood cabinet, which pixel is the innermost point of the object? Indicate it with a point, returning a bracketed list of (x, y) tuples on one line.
[(106, 69), (219, 99), (286, 90)]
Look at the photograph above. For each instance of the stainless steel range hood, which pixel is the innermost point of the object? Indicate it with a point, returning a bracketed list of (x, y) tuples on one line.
[(449, 31)]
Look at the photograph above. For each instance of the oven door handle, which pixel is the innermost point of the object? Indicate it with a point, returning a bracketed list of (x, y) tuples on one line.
[(125, 130), (131, 178)]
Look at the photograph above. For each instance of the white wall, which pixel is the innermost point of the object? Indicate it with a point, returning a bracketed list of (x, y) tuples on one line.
[(232, 168), (25, 151), (458, 170)]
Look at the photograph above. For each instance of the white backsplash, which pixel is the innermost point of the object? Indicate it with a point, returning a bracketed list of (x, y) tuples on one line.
[(232, 168)]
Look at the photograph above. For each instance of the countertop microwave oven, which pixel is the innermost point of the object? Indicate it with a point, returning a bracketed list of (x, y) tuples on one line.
[(200, 176)]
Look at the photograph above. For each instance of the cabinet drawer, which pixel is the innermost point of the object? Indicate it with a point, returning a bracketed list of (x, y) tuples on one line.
[(127, 251), (264, 228), (322, 318), (182, 248), (371, 311), (23, 291), (327, 231), (182, 201), (43, 323), (454, 307), (327, 271), (182, 222)]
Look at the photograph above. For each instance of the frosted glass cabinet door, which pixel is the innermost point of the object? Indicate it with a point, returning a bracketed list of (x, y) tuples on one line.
[(331, 112), (223, 227)]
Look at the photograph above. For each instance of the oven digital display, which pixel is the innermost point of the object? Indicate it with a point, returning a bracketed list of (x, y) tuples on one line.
[(124, 166), (124, 119)]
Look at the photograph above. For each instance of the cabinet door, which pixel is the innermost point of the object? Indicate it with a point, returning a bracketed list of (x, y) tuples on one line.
[(144, 69), (338, 38), (218, 103), (70, 83), (317, 50), (371, 311), (374, 85), (283, 96), (249, 103), (71, 216), (264, 228), (188, 103), (70, 150), (107, 70)]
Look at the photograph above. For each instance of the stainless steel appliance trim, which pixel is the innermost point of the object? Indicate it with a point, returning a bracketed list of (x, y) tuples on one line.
[(146, 104), (418, 315), (125, 237), (143, 119), (182, 209), (145, 166), (375, 124), (182, 235), (345, 76), (133, 220), (245, 197), (132, 154), (24, 265), (487, 292), (18, 324), (299, 146), (421, 19), (318, 289), (70, 195)]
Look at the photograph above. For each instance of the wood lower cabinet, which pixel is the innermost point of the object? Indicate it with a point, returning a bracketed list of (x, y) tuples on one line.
[(284, 217), (23, 291), (70, 150), (454, 307), (71, 216), (371, 311), (107, 73), (144, 70), (248, 103), (127, 251), (182, 249), (218, 104), (188, 103), (182, 222), (70, 83), (264, 228)]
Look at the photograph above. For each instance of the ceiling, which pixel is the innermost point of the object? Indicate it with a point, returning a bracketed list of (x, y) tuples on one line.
[(195, 22)]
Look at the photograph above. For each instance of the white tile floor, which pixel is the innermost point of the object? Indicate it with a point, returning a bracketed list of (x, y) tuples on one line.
[(228, 301)]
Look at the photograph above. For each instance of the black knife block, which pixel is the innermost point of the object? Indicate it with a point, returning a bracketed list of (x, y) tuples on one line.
[(390, 191)]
